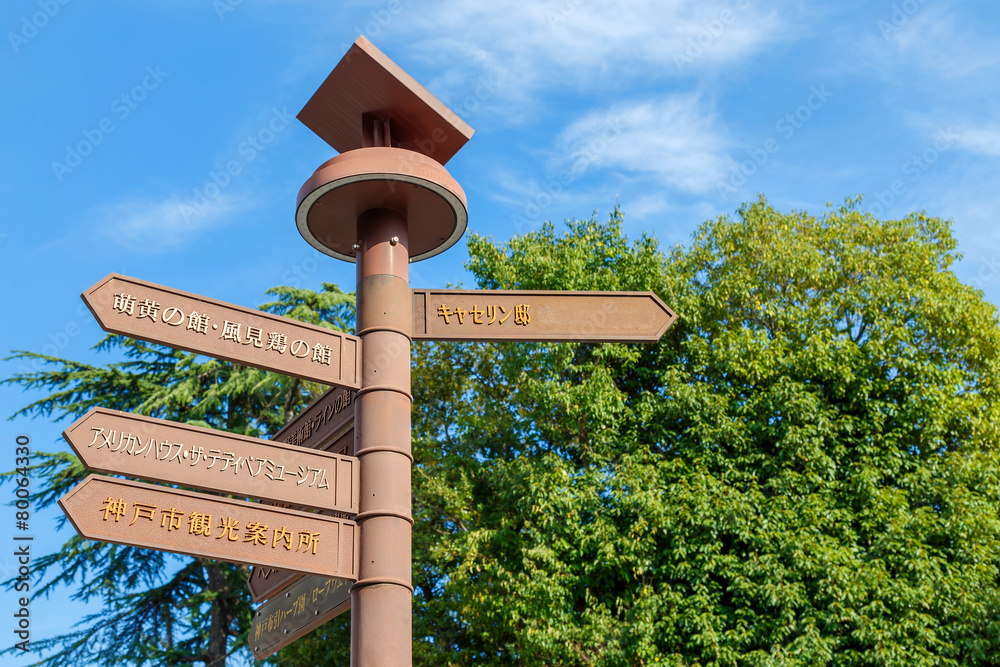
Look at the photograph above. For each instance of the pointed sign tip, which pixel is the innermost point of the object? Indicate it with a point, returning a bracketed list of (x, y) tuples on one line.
[(165, 316)]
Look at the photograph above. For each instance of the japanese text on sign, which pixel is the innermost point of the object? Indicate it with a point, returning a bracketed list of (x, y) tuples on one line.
[(492, 314), (127, 444), (200, 524), (309, 426), (126, 304), (273, 621)]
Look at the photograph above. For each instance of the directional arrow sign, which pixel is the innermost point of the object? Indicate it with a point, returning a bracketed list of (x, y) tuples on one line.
[(327, 424), (304, 607), (196, 524), (198, 324), (495, 315), (163, 451), (323, 425)]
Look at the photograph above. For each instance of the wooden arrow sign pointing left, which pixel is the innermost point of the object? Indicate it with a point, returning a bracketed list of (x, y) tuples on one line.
[(167, 316), (163, 451), (196, 524)]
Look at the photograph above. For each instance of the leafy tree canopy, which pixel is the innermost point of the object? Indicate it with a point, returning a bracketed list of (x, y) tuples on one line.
[(804, 471)]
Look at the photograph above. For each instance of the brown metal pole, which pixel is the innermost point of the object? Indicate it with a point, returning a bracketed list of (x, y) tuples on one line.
[(381, 600)]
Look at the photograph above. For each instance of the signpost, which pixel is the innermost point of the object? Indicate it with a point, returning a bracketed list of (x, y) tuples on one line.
[(167, 316), (163, 451), (384, 202), (196, 524), (540, 316), (304, 607)]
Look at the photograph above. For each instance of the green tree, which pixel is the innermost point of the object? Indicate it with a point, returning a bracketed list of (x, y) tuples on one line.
[(803, 471), (160, 608)]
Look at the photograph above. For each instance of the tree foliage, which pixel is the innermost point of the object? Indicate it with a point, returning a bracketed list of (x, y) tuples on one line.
[(803, 471)]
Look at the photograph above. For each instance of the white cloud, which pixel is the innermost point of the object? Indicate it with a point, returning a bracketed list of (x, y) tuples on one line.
[(645, 206), (970, 136), (161, 223), (936, 40), (926, 46), (983, 140), (586, 45), (677, 140), (156, 225)]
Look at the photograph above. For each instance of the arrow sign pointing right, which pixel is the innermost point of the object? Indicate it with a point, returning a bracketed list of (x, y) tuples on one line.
[(540, 316), (307, 605)]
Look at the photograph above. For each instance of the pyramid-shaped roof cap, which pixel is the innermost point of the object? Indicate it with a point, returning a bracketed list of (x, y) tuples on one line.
[(367, 83)]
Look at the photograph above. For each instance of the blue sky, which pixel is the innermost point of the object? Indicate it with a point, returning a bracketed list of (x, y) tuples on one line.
[(119, 116)]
